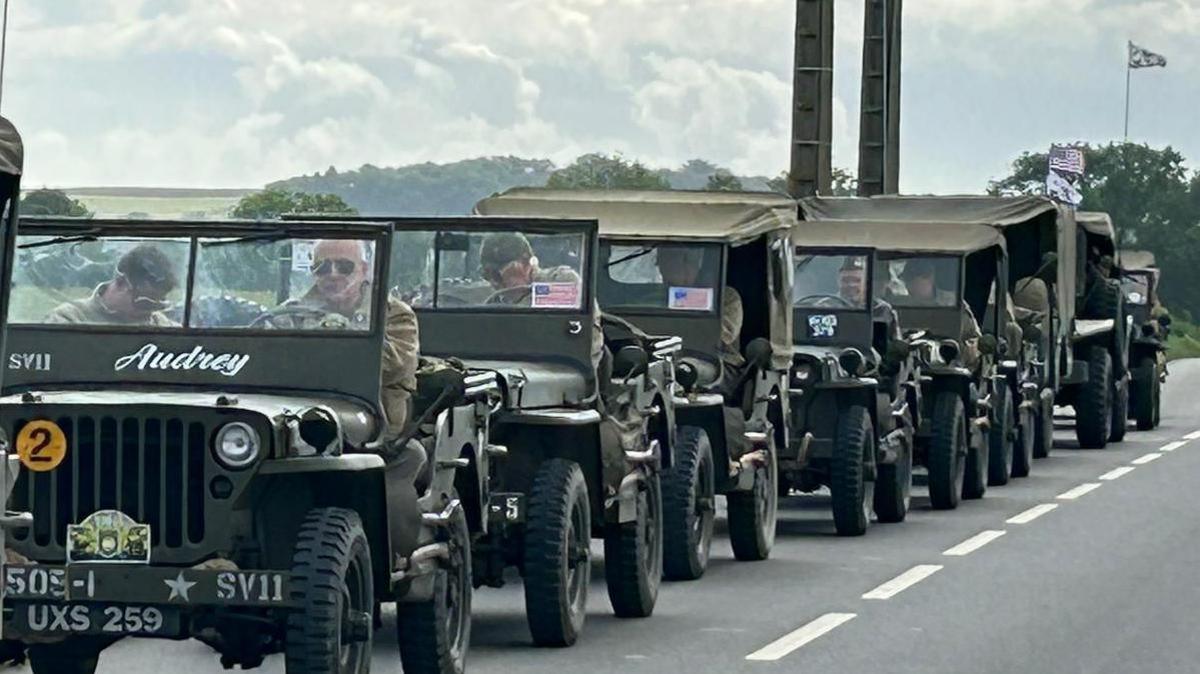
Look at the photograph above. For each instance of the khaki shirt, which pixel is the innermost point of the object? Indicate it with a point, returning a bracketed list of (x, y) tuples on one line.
[(732, 316), (91, 311), (398, 374)]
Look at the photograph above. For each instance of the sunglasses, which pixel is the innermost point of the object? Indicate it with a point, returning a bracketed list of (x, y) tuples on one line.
[(342, 266)]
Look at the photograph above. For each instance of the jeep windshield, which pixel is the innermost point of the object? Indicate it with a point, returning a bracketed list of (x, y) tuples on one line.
[(498, 270), (261, 282), (830, 281), (675, 277), (918, 280)]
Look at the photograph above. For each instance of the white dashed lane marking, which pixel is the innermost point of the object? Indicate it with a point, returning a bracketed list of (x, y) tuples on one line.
[(1194, 435), (1146, 458), (1032, 514), (1117, 472), (1072, 494), (904, 581), (798, 638), (1172, 446), (974, 543)]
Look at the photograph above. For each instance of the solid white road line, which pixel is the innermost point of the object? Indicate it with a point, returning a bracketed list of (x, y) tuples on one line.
[(1072, 494), (1170, 447), (904, 581), (1145, 458), (793, 640), (1194, 435), (1032, 514), (1117, 472), (974, 543)]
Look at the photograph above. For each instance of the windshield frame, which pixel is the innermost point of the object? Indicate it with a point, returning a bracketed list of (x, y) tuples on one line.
[(959, 266), (800, 250), (855, 325), (193, 232), (636, 310)]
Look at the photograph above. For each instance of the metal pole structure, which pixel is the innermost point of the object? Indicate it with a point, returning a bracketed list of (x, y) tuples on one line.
[(879, 119), (811, 170), (1128, 74), (3, 51)]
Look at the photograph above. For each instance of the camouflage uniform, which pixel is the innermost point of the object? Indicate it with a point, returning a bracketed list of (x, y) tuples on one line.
[(91, 311)]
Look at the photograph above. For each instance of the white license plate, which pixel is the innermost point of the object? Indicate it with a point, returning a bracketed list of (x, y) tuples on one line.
[(38, 618)]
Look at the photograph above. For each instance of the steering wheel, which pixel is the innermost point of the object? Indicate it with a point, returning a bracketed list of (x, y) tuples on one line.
[(511, 295), (297, 317), (821, 300)]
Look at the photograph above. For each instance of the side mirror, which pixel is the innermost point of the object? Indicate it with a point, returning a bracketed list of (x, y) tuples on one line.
[(988, 345), (759, 352), (630, 361)]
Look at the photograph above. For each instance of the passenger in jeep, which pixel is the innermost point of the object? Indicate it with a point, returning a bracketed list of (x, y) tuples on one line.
[(680, 268), (136, 295)]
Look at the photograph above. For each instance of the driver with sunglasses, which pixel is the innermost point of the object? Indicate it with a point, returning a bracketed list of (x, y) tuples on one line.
[(342, 272), (136, 295)]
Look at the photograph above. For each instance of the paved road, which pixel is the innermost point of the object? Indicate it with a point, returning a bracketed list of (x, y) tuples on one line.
[(1071, 578)]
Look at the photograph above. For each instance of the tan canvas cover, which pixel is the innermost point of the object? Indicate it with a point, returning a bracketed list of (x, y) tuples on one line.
[(1138, 259), (12, 152), (734, 217), (1097, 223), (914, 237), (979, 210)]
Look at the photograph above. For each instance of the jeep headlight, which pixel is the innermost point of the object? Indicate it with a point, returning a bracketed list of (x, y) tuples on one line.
[(236, 445)]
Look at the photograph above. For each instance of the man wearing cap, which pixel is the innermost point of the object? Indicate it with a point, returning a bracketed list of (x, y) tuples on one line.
[(342, 278), (679, 267), (507, 262), (920, 277), (852, 287), (136, 295)]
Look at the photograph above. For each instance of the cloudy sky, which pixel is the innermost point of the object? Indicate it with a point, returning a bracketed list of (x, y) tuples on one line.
[(234, 93)]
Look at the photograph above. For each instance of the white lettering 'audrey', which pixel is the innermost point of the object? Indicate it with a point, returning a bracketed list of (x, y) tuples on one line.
[(149, 357)]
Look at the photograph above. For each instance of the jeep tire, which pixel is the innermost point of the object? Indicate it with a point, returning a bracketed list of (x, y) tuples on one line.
[(557, 555), (689, 508), (73, 656), (1043, 428), (1144, 393), (1120, 412), (1023, 450), (1001, 438), (332, 583), (434, 635), (946, 461), (1093, 407), (752, 514), (850, 492), (633, 554)]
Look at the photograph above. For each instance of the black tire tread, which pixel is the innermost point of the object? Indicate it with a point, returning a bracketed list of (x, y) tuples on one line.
[(557, 483), (846, 481), (1095, 401), (631, 591), (424, 645), (1143, 394), (945, 451), (680, 485), (1001, 447)]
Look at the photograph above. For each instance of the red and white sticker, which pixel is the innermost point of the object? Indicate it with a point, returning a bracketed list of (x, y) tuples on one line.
[(690, 299), (555, 295)]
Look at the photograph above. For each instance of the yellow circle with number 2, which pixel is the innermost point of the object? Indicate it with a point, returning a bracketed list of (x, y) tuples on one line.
[(41, 445)]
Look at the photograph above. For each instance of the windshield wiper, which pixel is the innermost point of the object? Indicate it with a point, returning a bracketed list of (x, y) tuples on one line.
[(264, 237), (73, 238), (632, 256)]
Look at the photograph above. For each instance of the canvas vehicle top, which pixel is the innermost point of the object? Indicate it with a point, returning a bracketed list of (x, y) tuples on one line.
[(714, 228)]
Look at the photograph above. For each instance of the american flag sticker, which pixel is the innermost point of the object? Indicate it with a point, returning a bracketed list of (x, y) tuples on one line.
[(557, 295), (690, 299)]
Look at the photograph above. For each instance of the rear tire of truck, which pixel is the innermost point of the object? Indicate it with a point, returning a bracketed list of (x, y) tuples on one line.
[(1120, 413), (558, 563), (1023, 449), (975, 482), (1144, 394), (73, 656), (688, 506), (333, 585), (850, 492), (946, 462), (1001, 439), (434, 635), (633, 555), (1043, 425), (1093, 409), (751, 514), (893, 488)]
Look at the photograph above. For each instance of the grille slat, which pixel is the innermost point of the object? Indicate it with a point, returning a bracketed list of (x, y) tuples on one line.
[(151, 469)]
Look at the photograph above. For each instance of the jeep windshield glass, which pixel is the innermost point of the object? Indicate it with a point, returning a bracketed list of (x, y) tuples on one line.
[(674, 277), (918, 280), (270, 283), (501, 270), (827, 281), (99, 280), (1136, 288)]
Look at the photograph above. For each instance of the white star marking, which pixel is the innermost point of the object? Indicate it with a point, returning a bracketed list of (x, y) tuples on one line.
[(179, 587)]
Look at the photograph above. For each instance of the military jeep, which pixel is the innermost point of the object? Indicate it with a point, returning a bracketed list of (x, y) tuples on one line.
[(582, 428), (203, 471), (1140, 279), (711, 268), (855, 396)]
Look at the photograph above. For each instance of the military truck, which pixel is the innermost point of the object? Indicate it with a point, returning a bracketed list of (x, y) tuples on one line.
[(1140, 280), (855, 393), (231, 477), (713, 268)]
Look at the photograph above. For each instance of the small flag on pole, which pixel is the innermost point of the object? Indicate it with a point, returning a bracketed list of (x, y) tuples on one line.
[(1144, 58), (1067, 160)]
